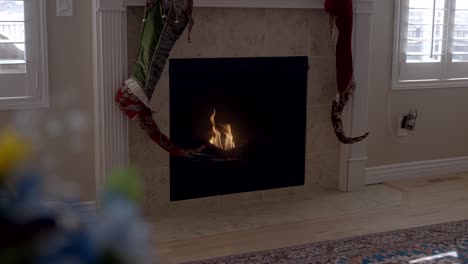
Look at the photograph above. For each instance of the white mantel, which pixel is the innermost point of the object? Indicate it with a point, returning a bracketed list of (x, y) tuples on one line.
[(311, 4), (110, 70)]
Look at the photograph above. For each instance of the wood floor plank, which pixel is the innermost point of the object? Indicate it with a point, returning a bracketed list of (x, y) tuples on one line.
[(190, 235)]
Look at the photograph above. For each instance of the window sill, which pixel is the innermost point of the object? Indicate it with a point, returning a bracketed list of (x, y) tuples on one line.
[(417, 85), (24, 103)]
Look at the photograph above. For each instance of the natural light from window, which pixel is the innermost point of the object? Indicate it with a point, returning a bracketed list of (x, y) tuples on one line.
[(451, 255), (434, 29), (460, 38), (12, 37)]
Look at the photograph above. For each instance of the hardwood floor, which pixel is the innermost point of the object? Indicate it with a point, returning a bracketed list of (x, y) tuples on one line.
[(187, 235)]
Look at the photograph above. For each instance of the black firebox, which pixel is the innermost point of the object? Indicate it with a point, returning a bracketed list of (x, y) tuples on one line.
[(250, 116)]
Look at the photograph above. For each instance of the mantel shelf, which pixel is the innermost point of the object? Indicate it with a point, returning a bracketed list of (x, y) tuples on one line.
[(306, 4)]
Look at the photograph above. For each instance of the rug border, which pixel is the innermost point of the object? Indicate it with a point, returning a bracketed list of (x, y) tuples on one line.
[(302, 246)]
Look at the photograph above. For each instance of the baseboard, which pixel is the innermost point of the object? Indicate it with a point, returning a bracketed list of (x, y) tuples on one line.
[(413, 170)]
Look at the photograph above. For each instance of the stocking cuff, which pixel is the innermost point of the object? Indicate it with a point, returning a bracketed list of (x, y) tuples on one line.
[(136, 89)]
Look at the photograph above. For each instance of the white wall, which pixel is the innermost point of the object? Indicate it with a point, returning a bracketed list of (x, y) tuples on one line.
[(63, 133), (442, 128)]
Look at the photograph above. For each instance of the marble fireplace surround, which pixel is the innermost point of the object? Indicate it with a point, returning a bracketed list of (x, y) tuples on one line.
[(116, 140)]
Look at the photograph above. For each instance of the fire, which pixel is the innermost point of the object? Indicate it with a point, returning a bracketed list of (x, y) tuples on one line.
[(218, 136)]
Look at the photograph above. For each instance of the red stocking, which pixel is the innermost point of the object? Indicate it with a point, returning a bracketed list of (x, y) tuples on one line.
[(343, 11), (136, 110)]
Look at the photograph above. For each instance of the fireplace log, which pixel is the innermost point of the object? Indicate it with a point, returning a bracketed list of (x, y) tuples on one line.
[(215, 154)]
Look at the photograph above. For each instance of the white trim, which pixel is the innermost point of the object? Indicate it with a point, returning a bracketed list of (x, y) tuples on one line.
[(414, 170), (110, 71), (310, 4), (417, 85), (109, 5), (354, 157), (37, 77), (396, 45), (41, 101)]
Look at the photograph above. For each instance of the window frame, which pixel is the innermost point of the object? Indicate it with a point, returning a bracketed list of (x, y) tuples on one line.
[(36, 76), (399, 55)]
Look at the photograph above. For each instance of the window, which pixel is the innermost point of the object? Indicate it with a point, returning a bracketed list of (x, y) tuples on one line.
[(23, 60), (431, 43)]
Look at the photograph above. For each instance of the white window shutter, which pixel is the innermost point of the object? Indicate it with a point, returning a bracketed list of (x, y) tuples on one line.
[(23, 75), (431, 44), (423, 39), (458, 39)]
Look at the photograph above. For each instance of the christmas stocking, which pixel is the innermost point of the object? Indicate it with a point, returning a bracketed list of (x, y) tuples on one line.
[(342, 12), (163, 24)]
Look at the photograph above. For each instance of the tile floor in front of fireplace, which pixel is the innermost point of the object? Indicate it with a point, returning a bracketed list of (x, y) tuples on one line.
[(186, 234)]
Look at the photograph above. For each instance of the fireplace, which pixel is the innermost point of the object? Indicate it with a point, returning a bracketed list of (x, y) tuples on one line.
[(250, 113)]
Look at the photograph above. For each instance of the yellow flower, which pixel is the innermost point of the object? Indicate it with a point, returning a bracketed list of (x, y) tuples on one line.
[(12, 151)]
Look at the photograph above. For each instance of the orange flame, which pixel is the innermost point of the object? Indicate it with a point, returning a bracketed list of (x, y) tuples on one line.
[(217, 138)]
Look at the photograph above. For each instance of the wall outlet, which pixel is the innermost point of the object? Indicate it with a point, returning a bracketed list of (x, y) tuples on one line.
[(401, 132), (64, 7)]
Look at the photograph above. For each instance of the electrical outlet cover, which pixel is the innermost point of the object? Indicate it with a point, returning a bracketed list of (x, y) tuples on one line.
[(401, 132)]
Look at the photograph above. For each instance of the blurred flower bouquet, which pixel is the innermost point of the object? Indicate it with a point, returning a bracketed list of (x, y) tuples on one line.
[(34, 231)]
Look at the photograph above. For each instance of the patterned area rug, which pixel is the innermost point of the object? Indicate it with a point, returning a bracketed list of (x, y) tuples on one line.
[(443, 243)]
